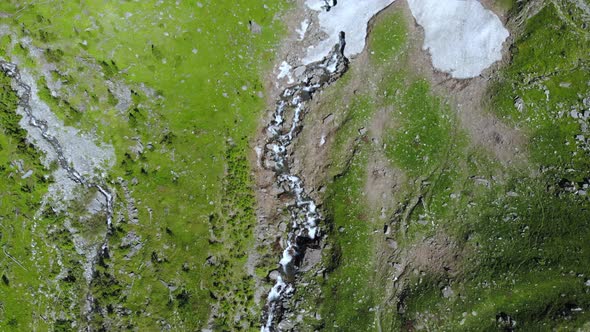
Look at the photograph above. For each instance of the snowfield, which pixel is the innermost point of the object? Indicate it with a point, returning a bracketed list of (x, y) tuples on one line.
[(350, 16), (463, 37)]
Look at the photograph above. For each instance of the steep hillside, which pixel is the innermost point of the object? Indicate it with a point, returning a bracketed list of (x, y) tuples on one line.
[(301, 165), (452, 204)]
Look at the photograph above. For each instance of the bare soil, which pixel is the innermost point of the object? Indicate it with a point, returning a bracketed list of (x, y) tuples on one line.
[(311, 150), (467, 98)]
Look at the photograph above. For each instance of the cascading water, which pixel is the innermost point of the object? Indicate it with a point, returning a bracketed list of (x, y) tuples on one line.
[(305, 217)]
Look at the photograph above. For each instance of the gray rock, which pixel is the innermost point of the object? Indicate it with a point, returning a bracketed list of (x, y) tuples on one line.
[(286, 325), (254, 27), (392, 244), (447, 292), (27, 174), (311, 259), (273, 275), (519, 104), (299, 71), (329, 118)]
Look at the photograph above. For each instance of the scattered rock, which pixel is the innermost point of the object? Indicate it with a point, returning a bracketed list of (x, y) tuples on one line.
[(447, 292), (212, 260), (299, 71), (286, 325), (254, 27), (505, 321), (273, 275), (27, 174), (481, 181), (392, 244), (519, 104), (312, 258), (328, 118)]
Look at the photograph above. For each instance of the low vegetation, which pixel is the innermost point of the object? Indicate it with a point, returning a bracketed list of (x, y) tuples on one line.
[(517, 233)]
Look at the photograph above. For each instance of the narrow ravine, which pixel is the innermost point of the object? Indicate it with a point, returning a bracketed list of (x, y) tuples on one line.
[(305, 217), (24, 94)]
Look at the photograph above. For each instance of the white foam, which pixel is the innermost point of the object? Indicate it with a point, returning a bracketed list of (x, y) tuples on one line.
[(462, 36), (350, 16)]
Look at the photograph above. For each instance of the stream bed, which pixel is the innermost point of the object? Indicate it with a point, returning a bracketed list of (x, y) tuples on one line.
[(304, 214)]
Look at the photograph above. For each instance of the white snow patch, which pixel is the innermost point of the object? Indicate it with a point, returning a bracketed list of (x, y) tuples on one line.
[(462, 36), (303, 29), (317, 5), (285, 71), (350, 16)]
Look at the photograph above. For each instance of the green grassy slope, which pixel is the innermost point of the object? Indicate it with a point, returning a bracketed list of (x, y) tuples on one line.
[(194, 74), (518, 240)]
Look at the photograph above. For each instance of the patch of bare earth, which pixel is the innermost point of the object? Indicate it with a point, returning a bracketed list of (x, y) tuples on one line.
[(467, 98), (312, 151)]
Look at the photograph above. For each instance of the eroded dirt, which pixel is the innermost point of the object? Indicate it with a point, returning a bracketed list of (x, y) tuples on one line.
[(467, 98), (312, 152)]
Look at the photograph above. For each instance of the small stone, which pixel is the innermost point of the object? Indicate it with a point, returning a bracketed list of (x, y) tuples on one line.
[(312, 258), (286, 325), (448, 292), (299, 71), (519, 104), (392, 244), (27, 174), (255, 28), (273, 275), (282, 227)]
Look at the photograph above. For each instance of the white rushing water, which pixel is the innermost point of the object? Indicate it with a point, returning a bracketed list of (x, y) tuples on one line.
[(463, 37), (324, 63), (304, 214)]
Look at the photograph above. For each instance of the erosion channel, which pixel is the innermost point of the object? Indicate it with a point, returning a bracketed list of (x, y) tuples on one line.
[(305, 217)]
